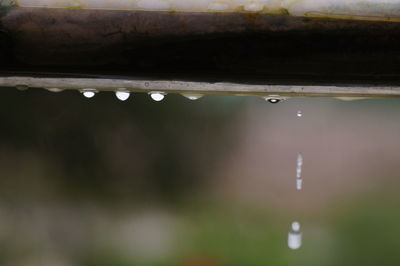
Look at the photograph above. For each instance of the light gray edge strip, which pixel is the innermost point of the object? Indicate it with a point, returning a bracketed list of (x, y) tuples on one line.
[(136, 85)]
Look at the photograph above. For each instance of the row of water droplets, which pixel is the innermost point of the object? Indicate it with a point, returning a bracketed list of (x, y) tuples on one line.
[(295, 237), (123, 95)]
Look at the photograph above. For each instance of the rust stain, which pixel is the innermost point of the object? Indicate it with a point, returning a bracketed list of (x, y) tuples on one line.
[(350, 17), (251, 19)]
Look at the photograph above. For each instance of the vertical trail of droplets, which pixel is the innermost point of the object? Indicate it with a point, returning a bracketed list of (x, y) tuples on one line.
[(299, 180), (295, 235)]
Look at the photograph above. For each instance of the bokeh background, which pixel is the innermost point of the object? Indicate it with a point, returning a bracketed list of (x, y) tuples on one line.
[(99, 182)]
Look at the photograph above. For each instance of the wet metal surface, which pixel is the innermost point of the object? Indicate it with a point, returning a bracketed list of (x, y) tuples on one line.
[(183, 87), (239, 48)]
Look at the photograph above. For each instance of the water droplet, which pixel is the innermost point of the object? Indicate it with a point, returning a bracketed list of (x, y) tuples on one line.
[(55, 89), (157, 96), (299, 114), (299, 184), (296, 226), (122, 95), (299, 166), (146, 84), (274, 98), (22, 87), (295, 236), (89, 93), (193, 96)]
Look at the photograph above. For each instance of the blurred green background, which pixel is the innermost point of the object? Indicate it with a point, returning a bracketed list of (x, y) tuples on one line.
[(99, 182)]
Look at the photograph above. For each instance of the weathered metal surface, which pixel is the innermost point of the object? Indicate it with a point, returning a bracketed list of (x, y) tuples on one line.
[(198, 88), (91, 37), (227, 47), (387, 10)]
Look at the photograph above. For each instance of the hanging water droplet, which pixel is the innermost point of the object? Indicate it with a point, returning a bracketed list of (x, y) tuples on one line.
[(299, 114), (193, 96), (274, 98), (89, 93), (122, 95), (157, 96), (22, 87), (54, 89), (295, 236)]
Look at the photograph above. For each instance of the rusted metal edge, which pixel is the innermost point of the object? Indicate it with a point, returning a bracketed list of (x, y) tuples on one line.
[(284, 52), (341, 9), (190, 87)]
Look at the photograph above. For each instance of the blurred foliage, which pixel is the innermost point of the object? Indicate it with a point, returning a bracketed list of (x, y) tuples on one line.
[(76, 175), (108, 149), (364, 234)]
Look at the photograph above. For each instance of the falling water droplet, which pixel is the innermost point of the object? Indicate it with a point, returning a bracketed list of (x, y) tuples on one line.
[(122, 95), (299, 114), (299, 184), (157, 96), (296, 226), (193, 96), (299, 166), (295, 236)]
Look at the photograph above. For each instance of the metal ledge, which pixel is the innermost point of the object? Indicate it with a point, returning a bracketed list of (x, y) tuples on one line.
[(188, 87), (233, 53)]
